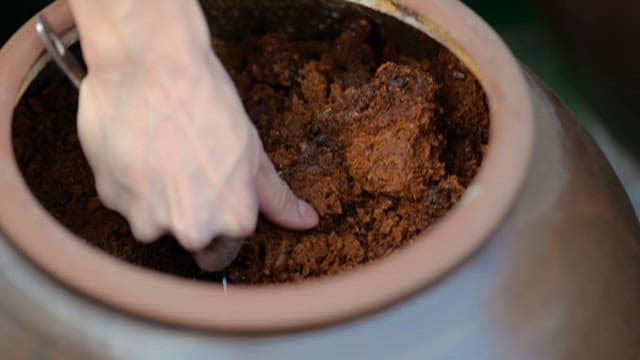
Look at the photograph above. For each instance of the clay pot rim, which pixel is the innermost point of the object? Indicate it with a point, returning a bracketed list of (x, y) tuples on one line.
[(171, 300)]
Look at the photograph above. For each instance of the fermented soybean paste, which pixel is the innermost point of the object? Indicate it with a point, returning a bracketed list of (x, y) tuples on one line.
[(381, 144)]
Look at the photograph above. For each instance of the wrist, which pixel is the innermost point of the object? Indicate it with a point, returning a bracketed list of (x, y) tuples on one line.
[(117, 34)]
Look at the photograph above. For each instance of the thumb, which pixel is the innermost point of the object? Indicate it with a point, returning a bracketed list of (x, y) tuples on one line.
[(278, 203), (219, 254)]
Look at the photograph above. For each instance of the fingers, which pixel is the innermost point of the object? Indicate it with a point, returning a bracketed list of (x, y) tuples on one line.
[(278, 203), (219, 254), (167, 167), (143, 223), (145, 231), (199, 216)]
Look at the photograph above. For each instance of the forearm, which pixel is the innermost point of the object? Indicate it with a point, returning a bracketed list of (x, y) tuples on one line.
[(118, 32)]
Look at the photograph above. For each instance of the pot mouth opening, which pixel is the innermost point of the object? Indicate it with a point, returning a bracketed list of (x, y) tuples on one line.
[(314, 302)]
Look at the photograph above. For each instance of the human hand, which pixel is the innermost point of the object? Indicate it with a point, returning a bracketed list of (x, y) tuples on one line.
[(173, 150)]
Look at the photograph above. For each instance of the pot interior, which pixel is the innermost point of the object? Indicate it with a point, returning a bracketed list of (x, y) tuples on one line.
[(259, 308), (352, 232)]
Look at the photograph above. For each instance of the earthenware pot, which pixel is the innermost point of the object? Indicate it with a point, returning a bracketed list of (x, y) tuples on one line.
[(539, 260), (601, 39)]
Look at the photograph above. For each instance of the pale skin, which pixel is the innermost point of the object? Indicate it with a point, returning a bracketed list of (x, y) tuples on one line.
[(165, 132)]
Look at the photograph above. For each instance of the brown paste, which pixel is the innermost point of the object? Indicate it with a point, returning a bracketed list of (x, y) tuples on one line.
[(381, 144)]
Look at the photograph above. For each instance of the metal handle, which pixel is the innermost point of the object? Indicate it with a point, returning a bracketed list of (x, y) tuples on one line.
[(56, 48)]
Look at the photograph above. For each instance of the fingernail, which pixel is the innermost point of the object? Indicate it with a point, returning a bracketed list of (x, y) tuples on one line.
[(305, 210)]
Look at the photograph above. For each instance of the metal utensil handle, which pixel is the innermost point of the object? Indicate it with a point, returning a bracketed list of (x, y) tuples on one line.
[(58, 51)]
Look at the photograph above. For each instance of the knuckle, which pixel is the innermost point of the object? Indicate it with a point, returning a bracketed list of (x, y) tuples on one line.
[(143, 225), (144, 231), (241, 225), (190, 236), (103, 189)]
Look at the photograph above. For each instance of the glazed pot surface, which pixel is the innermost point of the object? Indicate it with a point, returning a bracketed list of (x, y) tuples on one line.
[(546, 261), (562, 267)]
